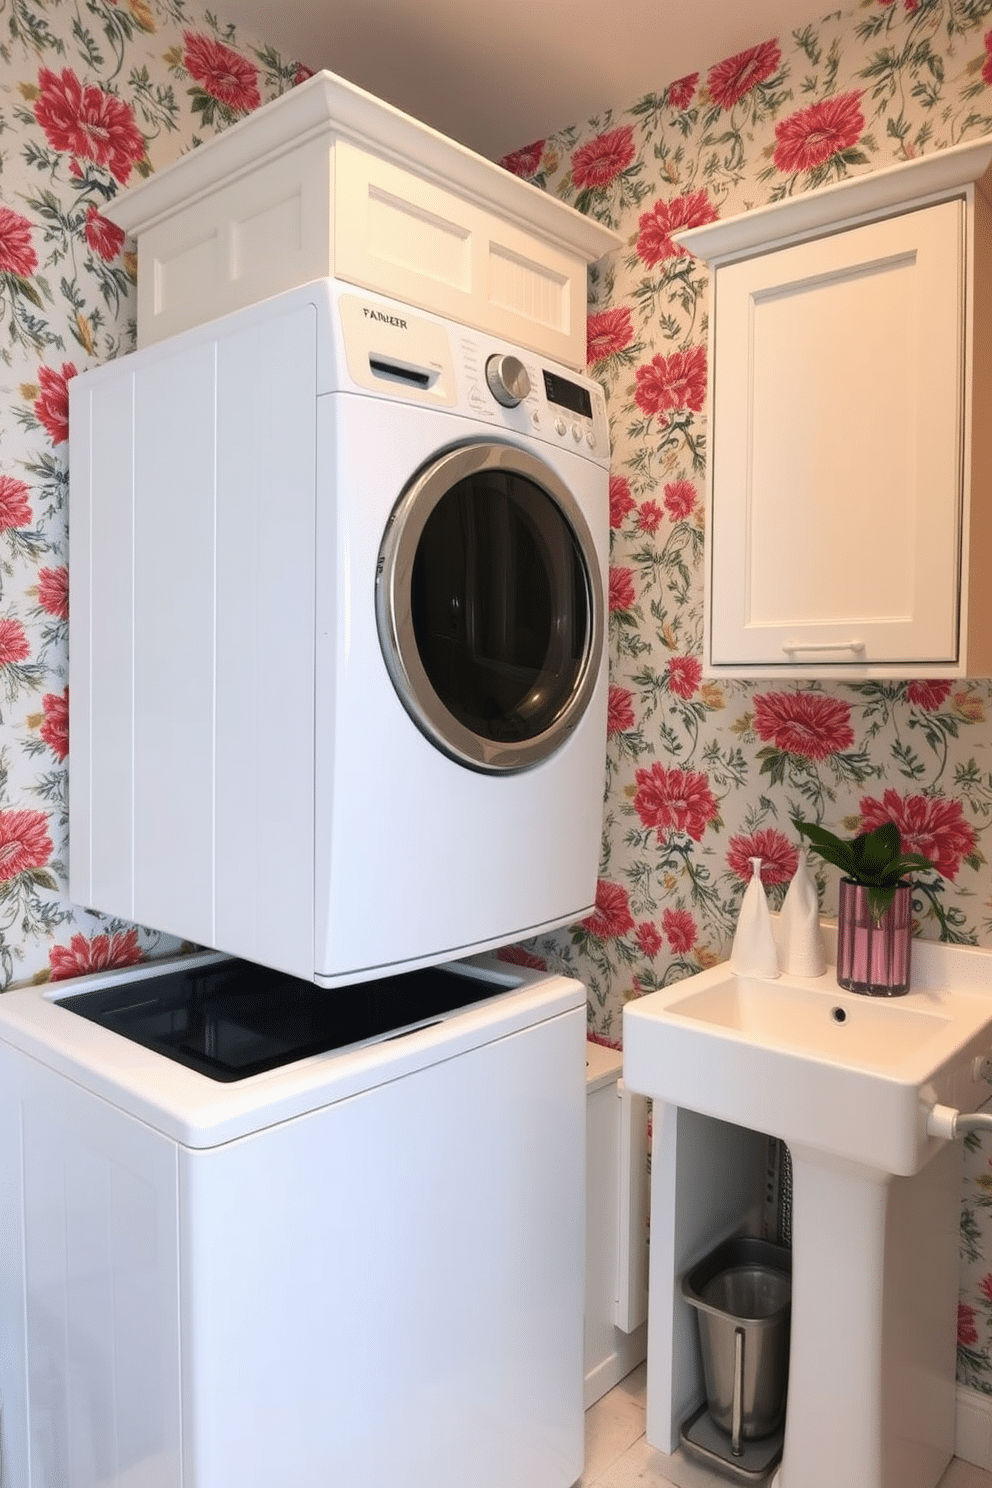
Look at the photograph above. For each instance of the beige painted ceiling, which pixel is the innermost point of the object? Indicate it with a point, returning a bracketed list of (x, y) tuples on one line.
[(496, 76)]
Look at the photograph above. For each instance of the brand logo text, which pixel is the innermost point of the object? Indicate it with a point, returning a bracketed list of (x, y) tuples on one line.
[(393, 320)]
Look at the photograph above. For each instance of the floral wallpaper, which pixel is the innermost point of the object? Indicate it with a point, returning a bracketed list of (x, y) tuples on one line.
[(701, 775), (704, 774), (93, 97)]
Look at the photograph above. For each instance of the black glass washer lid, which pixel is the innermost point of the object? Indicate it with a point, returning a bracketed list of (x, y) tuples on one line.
[(233, 1019)]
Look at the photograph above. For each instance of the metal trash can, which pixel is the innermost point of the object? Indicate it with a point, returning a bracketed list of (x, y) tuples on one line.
[(742, 1294)]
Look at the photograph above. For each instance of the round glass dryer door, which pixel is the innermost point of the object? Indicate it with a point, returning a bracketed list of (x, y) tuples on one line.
[(489, 605)]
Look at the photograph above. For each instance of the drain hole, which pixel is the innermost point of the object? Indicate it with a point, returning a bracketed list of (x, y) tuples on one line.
[(839, 1014)]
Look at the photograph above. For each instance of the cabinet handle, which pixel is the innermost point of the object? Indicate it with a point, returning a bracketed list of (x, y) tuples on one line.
[(790, 650)]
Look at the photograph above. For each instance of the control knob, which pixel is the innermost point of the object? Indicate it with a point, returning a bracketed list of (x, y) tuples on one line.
[(507, 379)]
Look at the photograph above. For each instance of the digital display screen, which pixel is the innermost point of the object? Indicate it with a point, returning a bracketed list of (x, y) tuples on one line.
[(567, 394)]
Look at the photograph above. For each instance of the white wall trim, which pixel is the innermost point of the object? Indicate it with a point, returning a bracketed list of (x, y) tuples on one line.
[(973, 1427)]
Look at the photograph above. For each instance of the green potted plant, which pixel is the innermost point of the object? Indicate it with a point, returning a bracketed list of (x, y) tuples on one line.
[(874, 919)]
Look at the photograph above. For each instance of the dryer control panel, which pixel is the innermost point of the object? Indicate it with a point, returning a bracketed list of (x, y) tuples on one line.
[(535, 397), (420, 358)]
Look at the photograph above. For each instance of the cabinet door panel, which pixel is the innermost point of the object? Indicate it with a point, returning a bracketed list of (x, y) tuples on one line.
[(403, 235), (837, 448)]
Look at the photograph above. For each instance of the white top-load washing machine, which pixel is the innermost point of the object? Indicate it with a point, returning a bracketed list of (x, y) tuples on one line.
[(337, 663), (234, 1254)]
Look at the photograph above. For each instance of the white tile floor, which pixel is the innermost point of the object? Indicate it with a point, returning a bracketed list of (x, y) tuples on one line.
[(617, 1456)]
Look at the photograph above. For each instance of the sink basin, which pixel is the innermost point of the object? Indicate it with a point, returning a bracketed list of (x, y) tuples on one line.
[(807, 1020), (800, 1059)]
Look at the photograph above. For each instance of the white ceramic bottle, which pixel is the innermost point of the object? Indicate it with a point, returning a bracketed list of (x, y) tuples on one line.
[(800, 943), (753, 952)]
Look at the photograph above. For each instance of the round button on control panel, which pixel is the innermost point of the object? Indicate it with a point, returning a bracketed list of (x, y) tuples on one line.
[(508, 380)]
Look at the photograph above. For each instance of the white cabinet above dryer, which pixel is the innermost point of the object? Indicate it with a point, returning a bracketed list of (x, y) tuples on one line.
[(849, 535), (327, 181)]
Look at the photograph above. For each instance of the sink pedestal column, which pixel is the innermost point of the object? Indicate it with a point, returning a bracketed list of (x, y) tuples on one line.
[(874, 1303)]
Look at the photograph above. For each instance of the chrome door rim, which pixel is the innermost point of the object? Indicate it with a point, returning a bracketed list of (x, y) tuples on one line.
[(394, 617)]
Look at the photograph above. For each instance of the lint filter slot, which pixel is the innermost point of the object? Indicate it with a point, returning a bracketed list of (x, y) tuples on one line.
[(394, 371)]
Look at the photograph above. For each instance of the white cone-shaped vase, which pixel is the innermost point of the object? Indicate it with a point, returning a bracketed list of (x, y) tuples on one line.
[(800, 942), (753, 952)]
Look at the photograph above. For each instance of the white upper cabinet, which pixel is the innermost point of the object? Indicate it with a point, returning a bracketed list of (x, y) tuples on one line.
[(328, 181), (848, 525)]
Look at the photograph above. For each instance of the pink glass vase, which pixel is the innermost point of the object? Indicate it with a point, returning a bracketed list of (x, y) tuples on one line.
[(874, 957)]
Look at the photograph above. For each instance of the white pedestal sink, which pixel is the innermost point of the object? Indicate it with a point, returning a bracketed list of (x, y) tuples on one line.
[(847, 1082)]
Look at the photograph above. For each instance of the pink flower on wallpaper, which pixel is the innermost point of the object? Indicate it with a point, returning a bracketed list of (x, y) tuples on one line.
[(684, 675), (679, 929), (104, 237), (654, 239), (81, 956), (619, 710), (55, 729), (88, 122), (14, 508), (804, 723), (779, 857), (53, 591), (222, 72), (52, 403), (24, 842), (650, 517), (612, 915), (680, 499), (622, 594), (672, 798), (811, 136), (682, 91), (729, 81), (607, 332), (928, 695), (967, 1332), (603, 158), (675, 381), (930, 825), (987, 65), (985, 1286), (17, 256), (648, 939), (517, 956), (621, 501), (13, 643), (526, 161)]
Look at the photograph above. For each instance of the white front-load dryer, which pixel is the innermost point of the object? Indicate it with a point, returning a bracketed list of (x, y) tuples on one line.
[(362, 613)]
